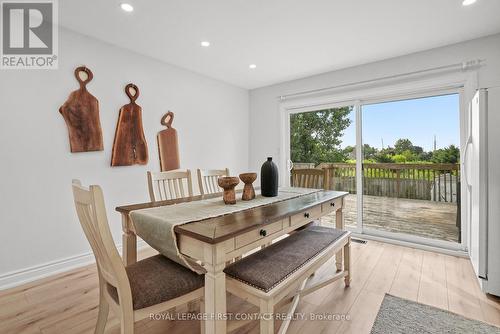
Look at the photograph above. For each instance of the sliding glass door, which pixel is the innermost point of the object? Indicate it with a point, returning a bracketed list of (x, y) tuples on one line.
[(397, 159)]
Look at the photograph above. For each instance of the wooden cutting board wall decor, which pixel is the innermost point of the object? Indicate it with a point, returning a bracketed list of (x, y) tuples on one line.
[(81, 114), (168, 148), (129, 146)]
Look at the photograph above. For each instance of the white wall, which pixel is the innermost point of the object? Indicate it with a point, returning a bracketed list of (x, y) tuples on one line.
[(37, 217), (264, 114)]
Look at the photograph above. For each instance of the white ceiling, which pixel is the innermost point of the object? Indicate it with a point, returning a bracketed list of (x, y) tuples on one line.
[(287, 39)]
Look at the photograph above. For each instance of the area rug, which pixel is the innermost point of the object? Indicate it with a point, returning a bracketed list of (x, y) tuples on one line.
[(398, 315)]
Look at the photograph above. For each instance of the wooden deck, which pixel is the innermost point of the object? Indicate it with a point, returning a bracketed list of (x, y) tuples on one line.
[(435, 220)]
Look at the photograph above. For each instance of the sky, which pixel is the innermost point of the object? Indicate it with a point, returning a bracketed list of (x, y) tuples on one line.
[(417, 119)]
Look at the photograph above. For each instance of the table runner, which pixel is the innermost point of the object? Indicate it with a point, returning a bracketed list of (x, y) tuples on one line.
[(156, 225)]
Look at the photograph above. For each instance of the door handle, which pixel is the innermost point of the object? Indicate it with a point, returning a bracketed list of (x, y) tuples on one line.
[(464, 163)]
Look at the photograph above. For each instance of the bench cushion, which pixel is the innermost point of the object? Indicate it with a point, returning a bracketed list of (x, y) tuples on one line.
[(157, 279), (267, 268)]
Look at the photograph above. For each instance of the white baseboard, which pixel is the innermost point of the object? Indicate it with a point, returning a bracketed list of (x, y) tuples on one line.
[(30, 274)]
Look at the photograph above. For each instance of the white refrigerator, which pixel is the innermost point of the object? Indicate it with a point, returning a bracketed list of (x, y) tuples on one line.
[(481, 169)]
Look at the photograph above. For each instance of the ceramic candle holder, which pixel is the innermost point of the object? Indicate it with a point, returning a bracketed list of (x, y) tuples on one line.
[(228, 183), (248, 190)]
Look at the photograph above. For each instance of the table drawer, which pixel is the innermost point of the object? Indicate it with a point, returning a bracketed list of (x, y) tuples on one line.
[(306, 216), (255, 235), (331, 206)]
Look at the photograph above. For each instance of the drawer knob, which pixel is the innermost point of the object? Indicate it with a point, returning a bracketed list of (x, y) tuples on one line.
[(306, 214), (332, 204), (263, 233)]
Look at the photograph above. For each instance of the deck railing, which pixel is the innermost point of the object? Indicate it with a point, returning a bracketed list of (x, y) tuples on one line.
[(434, 182), (303, 165)]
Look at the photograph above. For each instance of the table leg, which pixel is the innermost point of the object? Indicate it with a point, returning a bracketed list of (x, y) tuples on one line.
[(215, 303), (129, 248), (339, 224), (215, 292), (129, 242)]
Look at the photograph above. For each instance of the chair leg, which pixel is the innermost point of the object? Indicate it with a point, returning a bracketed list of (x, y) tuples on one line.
[(102, 317), (127, 318), (127, 325), (266, 316), (202, 313), (347, 263)]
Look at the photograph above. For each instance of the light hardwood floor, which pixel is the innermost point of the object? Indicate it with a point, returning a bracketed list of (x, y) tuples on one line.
[(67, 303)]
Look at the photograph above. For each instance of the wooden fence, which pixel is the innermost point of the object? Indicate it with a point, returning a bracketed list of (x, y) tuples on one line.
[(434, 182)]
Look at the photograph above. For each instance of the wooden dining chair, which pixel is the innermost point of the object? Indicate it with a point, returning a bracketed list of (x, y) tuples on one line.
[(308, 178), (134, 292), (170, 185), (207, 180)]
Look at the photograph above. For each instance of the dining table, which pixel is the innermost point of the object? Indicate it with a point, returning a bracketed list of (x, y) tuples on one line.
[(216, 241)]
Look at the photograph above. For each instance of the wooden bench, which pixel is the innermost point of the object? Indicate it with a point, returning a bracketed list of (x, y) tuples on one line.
[(279, 273)]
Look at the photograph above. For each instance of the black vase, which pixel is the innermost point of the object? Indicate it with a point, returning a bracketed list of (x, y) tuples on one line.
[(269, 178)]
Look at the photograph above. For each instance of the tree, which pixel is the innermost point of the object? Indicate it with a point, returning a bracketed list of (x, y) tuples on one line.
[(316, 136), (402, 145), (388, 150), (350, 152), (425, 156), (417, 150), (405, 156), (382, 157), (450, 154), (369, 152)]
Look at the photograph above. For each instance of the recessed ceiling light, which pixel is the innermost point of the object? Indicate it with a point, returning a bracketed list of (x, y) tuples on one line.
[(468, 2), (127, 7), (205, 43), (252, 66)]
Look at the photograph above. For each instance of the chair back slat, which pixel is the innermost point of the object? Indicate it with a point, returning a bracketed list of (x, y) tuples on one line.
[(177, 183), (308, 178), (170, 185), (213, 185), (207, 180)]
